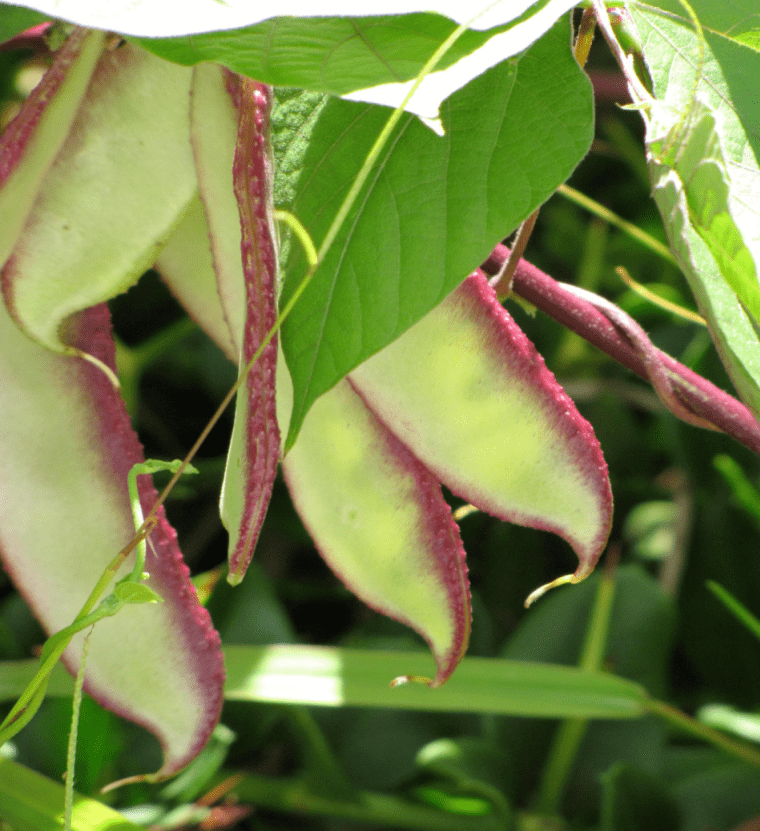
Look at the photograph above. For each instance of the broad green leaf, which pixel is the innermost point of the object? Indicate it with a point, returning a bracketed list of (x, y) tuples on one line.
[(703, 137), (31, 802), (738, 19), (432, 210), (161, 18), (334, 55), (352, 54)]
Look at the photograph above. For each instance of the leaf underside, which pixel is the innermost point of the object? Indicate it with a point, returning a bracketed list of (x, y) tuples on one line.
[(702, 139)]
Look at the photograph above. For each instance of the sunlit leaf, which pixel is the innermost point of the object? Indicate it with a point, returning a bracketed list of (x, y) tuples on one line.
[(433, 209), (161, 18), (738, 20)]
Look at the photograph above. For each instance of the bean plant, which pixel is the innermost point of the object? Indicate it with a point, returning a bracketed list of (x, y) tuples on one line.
[(382, 280)]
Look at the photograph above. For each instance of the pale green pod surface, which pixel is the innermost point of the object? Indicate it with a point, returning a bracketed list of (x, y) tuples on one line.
[(30, 143), (230, 137), (467, 392), (121, 182), (67, 447), (379, 519), (186, 266)]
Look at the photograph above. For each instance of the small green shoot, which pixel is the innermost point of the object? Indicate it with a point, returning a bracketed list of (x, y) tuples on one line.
[(745, 493), (742, 614)]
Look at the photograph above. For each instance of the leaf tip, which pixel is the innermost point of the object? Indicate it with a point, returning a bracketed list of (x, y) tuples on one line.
[(560, 581)]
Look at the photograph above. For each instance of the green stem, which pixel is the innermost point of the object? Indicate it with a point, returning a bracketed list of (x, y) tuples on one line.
[(655, 300), (321, 763), (703, 731), (503, 278), (55, 646), (71, 753), (628, 228), (570, 733)]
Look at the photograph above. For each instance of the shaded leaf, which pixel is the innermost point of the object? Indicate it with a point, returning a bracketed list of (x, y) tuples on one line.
[(433, 209), (636, 801), (722, 797), (334, 55)]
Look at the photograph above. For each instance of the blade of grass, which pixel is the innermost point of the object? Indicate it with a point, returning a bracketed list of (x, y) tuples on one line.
[(742, 614), (628, 228), (743, 490), (350, 677), (331, 677), (568, 738)]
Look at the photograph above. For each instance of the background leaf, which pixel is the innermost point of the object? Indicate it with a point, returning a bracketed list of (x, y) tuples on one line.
[(432, 210), (738, 19), (14, 20), (701, 134), (40, 808)]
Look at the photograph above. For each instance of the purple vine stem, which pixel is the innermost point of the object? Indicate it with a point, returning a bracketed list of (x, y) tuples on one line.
[(688, 395)]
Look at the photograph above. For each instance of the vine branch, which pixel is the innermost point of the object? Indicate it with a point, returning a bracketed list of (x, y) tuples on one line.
[(684, 392)]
